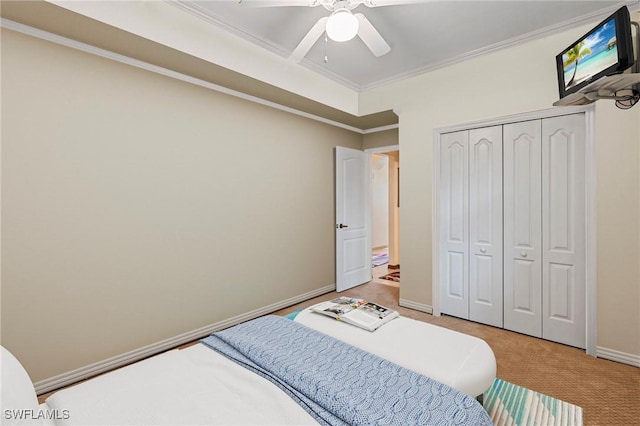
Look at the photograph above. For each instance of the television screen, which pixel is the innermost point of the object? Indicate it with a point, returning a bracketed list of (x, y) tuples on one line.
[(605, 50)]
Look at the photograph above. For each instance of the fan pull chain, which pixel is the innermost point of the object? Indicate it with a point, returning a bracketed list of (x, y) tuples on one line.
[(326, 42)]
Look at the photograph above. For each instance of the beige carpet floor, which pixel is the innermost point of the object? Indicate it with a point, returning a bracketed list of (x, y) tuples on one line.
[(608, 392)]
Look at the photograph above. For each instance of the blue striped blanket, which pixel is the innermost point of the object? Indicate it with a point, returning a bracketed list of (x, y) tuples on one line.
[(339, 384)]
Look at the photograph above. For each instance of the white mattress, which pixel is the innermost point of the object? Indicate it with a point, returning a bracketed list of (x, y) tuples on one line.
[(194, 386), (463, 362)]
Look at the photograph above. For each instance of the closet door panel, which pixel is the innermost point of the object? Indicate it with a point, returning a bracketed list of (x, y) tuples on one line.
[(454, 224), (523, 228), (485, 225), (563, 189)]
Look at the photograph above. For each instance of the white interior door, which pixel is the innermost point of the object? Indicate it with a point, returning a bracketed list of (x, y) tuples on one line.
[(353, 218), (523, 227), (454, 224), (563, 230), (485, 226)]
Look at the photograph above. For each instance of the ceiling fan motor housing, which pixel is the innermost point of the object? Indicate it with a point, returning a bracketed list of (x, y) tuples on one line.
[(342, 25)]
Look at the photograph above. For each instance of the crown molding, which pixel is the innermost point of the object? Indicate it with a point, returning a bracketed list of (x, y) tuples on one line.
[(107, 54), (531, 36), (381, 129)]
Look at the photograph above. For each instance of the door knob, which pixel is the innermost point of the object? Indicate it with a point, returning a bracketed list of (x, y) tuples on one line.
[(483, 250), (342, 226), (523, 253)]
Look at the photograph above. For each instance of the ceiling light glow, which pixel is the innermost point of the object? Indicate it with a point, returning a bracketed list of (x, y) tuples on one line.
[(342, 25)]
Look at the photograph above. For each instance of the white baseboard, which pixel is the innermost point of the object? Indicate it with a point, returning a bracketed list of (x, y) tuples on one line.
[(618, 356), (604, 353), (73, 376), (416, 306)]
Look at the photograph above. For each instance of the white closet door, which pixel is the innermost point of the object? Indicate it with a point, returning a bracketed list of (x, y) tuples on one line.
[(485, 226), (454, 224), (563, 229), (523, 228)]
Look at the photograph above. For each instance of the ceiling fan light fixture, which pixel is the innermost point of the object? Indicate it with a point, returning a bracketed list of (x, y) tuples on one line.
[(342, 25)]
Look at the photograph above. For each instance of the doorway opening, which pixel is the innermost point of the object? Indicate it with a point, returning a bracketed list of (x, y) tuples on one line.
[(385, 205)]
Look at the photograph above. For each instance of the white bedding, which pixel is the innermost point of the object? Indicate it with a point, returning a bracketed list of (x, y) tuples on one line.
[(191, 386)]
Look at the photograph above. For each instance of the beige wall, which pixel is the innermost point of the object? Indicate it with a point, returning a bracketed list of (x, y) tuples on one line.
[(618, 226), (380, 200), (380, 139), (513, 81), (137, 207)]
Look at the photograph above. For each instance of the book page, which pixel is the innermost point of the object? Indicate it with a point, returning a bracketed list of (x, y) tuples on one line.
[(364, 317), (375, 310)]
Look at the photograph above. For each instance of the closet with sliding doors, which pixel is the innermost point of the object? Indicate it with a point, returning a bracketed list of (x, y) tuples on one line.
[(511, 215)]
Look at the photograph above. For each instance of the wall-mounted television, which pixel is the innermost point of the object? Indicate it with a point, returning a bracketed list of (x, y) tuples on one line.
[(605, 50)]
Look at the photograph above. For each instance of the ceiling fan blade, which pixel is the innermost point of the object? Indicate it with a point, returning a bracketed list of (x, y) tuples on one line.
[(377, 3), (371, 37), (277, 3), (309, 40)]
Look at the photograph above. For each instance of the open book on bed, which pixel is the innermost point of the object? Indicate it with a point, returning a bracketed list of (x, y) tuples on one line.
[(358, 312)]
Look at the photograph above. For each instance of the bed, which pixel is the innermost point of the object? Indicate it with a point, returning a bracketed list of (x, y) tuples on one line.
[(268, 371)]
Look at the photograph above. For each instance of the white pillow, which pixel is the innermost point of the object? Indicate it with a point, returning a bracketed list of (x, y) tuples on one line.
[(17, 394)]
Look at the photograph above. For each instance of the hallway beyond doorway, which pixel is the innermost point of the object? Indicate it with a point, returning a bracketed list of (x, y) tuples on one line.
[(381, 270)]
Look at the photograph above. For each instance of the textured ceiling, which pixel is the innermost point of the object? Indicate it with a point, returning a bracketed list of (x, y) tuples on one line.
[(422, 36)]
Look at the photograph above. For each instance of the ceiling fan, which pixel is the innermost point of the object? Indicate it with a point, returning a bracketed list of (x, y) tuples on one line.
[(341, 25)]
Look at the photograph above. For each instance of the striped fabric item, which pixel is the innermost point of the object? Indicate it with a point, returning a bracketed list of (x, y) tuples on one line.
[(380, 259), (513, 405)]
